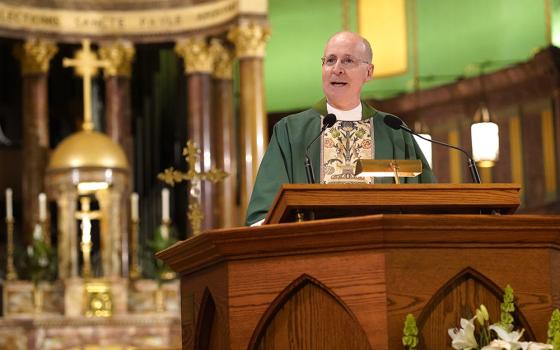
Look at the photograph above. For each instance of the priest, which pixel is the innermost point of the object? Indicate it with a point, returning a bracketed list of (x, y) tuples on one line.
[(359, 132)]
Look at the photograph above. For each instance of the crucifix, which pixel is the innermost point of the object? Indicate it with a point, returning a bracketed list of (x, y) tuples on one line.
[(172, 176), (86, 65), (86, 215)]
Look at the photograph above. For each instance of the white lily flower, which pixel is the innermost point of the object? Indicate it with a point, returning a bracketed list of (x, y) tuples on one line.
[(535, 346), (498, 345), (463, 339), (511, 337)]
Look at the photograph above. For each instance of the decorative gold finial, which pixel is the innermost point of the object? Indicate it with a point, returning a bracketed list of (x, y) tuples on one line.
[(223, 60), (249, 39), (195, 54), (172, 176), (86, 65), (120, 55), (35, 56)]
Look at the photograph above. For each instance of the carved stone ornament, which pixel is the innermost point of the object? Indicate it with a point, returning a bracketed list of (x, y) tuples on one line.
[(35, 55), (223, 60), (249, 39), (119, 54), (195, 54)]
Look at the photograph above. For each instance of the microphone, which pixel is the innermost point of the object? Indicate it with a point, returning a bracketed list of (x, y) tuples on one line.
[(328, 121), (396, 123)]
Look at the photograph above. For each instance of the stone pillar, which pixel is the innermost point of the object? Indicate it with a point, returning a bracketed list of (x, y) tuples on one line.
[(198, 67), (225, 142), (110, 232), (34, 56), (67, 234), (118, 116), (250, 41), (117, 94)]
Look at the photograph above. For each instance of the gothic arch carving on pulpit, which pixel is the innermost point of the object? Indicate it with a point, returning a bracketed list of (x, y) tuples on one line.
[(205, 321), (459, 298), (308, 306)]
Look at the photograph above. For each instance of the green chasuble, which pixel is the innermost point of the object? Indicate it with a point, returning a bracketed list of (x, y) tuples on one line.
[(283, 161)]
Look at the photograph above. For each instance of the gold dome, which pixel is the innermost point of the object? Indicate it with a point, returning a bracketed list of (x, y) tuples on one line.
[(88, 149)]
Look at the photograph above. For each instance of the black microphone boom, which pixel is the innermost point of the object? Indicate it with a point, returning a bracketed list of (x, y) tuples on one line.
[(328, 121), (396, 123)]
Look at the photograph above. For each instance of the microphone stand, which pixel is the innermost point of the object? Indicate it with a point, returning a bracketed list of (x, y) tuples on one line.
[(472, 165), (329, 121)]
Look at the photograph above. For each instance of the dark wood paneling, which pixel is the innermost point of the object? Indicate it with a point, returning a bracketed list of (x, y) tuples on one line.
[(533, 161)]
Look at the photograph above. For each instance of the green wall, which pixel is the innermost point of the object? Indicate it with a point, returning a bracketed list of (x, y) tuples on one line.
[(454, 37)]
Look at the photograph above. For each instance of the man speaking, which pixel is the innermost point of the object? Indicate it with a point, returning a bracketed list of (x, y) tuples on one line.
[(358, 133)]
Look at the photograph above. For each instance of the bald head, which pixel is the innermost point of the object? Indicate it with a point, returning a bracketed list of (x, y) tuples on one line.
[(362, 45), (346, 68)]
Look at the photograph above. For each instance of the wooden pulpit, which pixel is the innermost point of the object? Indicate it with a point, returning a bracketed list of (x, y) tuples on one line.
[(434, 251)]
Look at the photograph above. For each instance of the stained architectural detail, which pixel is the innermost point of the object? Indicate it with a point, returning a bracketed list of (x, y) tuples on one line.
[(223, 60), (35, 56), (120, 55), (196, 55), (250, 39)]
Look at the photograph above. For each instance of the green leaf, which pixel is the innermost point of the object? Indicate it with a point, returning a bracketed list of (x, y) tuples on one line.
[(553, 332), (507, 307), (410, 333)]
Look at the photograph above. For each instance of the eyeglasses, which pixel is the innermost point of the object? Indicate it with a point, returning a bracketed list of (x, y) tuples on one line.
[(345, 62)]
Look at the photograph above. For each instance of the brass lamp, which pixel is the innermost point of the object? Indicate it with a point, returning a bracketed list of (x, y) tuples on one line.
[(395, 168)]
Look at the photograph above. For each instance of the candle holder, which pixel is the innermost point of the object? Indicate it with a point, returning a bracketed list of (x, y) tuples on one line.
[(165, 231), (46, 232), (135, 270), (10, 270)]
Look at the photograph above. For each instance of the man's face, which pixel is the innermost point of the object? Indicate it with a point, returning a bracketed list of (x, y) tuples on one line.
[(345, 70)]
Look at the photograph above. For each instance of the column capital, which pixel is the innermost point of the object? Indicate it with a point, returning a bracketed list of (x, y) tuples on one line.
[(222, 58), (249, 39), (195, 54), (120, 55), (35, 55)]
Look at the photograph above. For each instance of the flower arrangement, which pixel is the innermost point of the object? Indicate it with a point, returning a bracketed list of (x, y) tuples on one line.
[(478, 334), (163, 238), (38, 261)]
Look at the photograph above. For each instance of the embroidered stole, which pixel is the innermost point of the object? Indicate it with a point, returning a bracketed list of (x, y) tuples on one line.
[(341, 147)]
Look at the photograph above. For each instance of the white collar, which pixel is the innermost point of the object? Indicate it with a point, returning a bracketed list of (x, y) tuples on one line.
[(353, 114)]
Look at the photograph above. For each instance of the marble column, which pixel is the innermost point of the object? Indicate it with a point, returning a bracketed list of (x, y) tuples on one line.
[(68, 260), (250, 42), (118, 112), (198, 68), (110, 229), (118, 117), (34, 56), (225, 139)]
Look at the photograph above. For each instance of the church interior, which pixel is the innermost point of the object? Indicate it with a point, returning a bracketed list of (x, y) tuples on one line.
[(126, 126)]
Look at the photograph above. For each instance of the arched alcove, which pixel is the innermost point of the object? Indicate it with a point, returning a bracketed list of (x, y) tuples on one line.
[(459, 298), (306, 310)]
